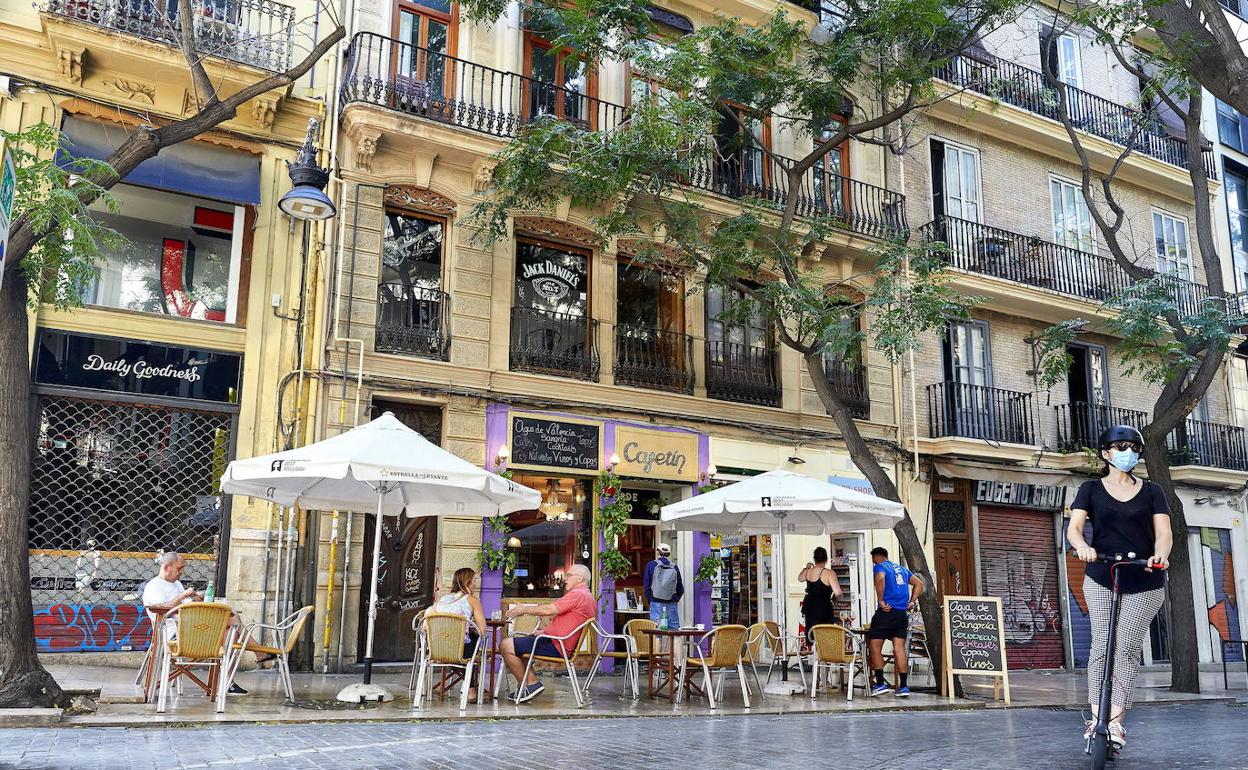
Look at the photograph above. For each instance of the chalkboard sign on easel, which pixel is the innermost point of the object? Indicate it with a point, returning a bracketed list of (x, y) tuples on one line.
[(545, 443), (975, 642)]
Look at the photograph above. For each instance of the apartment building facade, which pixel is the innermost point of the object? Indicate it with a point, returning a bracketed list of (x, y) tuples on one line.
[(176, 363), (995, 176), (551, 354)]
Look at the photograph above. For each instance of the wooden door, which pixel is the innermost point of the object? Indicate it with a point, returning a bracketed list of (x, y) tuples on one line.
[(954, 569), (409, 553)]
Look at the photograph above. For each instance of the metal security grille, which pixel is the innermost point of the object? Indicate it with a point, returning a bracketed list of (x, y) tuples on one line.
[(114, 483)]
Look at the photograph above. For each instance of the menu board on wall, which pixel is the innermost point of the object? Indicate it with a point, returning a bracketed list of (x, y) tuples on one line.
[(550, 443), (975, 640)]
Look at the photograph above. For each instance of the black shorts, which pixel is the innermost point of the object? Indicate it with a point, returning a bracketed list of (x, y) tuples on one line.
[(892, 624), (545, 647)]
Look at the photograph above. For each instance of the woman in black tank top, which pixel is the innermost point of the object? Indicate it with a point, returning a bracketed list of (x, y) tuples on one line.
[(821, 586)]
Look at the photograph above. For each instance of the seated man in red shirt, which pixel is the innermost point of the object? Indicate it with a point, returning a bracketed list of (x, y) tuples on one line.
[(576, 606)]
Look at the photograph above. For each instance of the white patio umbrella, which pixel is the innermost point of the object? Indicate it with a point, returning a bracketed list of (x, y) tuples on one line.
[(780, 502), (382, 467)]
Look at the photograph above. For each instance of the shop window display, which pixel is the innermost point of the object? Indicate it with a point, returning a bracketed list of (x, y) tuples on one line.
[(178, 255), (551, 538)]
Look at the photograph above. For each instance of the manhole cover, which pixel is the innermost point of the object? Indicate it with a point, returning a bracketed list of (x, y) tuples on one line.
[(332, 705)]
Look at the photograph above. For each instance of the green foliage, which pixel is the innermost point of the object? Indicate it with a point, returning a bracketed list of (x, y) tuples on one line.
[(1052, 354), (1149, 348), (50, 195), (614, 505), (708, 565), (494, 553)]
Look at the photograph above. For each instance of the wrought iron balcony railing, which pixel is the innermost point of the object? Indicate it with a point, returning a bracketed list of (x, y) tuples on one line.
[(407, 78), (1080, 424), (259, 33), (548, 342), (649, 358), (413, 320), (1036, 262), (743, 373), (978, 411), (1026, 88), (849, 380), (1211, 444)]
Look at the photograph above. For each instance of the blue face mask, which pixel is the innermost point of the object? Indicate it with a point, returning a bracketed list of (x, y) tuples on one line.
[(1124, 460)]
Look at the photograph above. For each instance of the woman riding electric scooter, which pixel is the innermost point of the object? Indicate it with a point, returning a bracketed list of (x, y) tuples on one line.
[(1128, 516)]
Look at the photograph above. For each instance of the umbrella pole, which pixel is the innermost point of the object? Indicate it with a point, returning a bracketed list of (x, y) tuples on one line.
[(372, 591), (781, 596)]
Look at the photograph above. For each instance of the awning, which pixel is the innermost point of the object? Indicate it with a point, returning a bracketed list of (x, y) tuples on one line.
[(967, 469), (194, 168)]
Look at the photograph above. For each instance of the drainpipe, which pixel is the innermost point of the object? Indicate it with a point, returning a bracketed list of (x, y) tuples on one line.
[(329, 594), (346, 583)]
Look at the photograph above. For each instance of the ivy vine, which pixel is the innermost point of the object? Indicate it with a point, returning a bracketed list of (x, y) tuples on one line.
[(494, 553), (708, 565), (614, 505)]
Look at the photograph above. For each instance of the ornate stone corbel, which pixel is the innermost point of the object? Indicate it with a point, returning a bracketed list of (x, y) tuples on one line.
[(264, 110), (70, 60), (365, 147), (483, 176)]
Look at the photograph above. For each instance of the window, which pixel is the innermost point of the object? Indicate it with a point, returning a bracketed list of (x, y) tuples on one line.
[(426, 33), (1170, 235), (955, 181), (551, 279), (411, 304), (729, 325), (741, 138), (562, 82), (1232, 5), (831, 171), (551, 538), (1061, 53), (181, 255), (1230, 126), (1237, 217), (648, 299), (551, 330), (643, 84), (966, 354), (1072, 224)]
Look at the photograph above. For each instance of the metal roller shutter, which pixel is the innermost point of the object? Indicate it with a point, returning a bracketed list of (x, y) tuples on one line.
[(1018, 555)]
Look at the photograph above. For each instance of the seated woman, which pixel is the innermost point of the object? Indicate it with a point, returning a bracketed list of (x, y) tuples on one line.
[(462, 600)]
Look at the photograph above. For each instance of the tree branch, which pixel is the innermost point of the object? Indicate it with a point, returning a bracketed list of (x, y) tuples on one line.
[(206, 92)]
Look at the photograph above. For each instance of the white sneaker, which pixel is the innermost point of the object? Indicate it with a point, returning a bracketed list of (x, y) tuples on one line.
[(1117, 734), (1089, 727)]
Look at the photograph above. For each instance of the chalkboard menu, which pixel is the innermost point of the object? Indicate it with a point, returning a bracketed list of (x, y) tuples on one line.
[(555, 443), (975, 639)]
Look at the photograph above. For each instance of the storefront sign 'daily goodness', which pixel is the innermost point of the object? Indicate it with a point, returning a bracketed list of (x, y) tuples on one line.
[(102, 363)]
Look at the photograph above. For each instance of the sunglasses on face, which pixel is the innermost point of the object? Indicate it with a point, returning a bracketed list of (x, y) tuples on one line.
[(1123, 446)]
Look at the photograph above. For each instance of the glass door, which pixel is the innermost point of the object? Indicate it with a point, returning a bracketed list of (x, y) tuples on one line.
[(969, 369), (426, 32)]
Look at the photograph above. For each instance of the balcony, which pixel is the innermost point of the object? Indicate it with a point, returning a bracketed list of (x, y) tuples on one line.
[(980, 412), (259, 33), (1211, 444), (413, 320), (398, 76), (1026, 89), (649, 358), (849, 380), (742, 373), (547, 342), (1080, 425), (1036, 262)]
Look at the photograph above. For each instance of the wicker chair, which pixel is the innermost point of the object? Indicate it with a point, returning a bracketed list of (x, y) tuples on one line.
[(567, 658), (285, 636), (833, 649), (727, 643), (205, 638), (441, 645), (630, 657)]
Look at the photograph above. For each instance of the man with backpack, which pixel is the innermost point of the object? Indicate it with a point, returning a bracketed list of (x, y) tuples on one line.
[(664, 587)]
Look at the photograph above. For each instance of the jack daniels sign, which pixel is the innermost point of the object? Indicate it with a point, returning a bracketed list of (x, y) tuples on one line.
[(132, 366)]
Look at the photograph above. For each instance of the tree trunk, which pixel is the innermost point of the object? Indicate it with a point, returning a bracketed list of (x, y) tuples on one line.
[(1184, 652), (907, 534), (23, 682)]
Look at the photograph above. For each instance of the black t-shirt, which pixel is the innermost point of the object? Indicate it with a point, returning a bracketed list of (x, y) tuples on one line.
[(1123, 528)]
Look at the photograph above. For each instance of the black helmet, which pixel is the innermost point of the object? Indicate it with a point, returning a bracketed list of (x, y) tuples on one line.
[(1120, 433)]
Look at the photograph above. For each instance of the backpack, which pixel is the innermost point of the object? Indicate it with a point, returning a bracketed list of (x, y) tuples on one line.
[(663, 583)]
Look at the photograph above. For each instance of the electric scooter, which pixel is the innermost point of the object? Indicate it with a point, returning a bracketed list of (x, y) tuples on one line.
[(1099, 746)]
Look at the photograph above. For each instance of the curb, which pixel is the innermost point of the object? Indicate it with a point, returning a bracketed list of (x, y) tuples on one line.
[(32, 717)]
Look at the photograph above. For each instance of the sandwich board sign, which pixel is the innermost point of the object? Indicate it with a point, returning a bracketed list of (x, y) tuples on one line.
[(975, 642), (8, 190)]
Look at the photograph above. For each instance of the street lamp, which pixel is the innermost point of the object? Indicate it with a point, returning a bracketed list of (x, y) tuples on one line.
[(307, 200)]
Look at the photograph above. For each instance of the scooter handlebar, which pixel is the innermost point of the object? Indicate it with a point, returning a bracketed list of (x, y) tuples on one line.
[(1118, 559)]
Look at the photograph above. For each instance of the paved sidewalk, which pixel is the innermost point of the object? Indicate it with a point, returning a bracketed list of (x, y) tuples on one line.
[(1197, 736), (120, 700)]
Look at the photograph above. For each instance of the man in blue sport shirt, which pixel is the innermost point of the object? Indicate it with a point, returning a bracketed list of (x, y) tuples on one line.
[(893, 584)]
